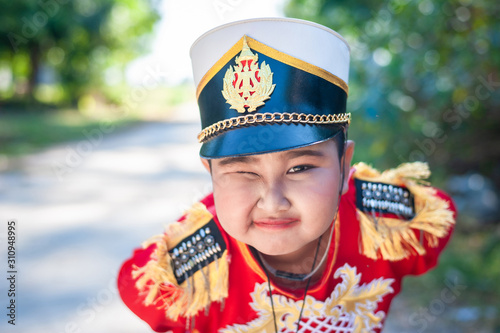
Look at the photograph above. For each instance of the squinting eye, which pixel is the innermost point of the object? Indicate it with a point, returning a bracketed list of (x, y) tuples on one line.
[(247, 173), (299, 168)]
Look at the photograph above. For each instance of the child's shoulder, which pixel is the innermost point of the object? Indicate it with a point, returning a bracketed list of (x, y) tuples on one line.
[(399, 213), (191, 255)]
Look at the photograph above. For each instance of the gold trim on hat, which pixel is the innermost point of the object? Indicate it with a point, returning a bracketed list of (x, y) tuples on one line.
[(272, 53), (267, 117)]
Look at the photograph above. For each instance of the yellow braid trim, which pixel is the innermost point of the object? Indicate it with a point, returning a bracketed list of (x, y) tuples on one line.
[(196, 293), (394, 239)]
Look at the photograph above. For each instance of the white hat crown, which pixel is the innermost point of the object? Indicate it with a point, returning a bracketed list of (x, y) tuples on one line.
[(304, 40)]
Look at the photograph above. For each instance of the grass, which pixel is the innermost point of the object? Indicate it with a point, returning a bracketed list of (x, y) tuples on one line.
[(469, 268), (25, 129), (27, 132)]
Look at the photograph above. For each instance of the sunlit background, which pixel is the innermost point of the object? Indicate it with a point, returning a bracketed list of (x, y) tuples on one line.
[(98, 148)]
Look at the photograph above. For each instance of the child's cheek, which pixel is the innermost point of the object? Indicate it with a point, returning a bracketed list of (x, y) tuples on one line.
[(322, 185), (221, 182), (232, 192)]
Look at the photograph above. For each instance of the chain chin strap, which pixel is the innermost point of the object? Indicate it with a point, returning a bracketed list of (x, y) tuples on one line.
[(256, 118)]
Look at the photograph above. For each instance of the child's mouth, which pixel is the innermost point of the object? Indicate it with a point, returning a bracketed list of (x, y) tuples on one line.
[(275, 223)]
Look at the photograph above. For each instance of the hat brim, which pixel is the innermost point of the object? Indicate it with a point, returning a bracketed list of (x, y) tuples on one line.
[(269, 138)]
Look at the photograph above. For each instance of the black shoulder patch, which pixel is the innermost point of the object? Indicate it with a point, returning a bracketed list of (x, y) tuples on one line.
[(380, 198), (196, 251)]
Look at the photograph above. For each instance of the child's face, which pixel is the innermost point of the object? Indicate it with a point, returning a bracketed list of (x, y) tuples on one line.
[(279, 202)]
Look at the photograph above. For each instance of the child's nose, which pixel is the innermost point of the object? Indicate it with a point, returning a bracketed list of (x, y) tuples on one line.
[(273, 198)]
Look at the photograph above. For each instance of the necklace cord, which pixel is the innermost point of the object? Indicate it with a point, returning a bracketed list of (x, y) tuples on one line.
[(272, 303), (305, 290), (307, 285)]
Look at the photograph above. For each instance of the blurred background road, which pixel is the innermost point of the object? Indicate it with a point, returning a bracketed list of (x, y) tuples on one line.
[(75, 229)]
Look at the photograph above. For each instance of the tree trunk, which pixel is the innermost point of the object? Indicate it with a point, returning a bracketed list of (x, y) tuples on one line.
[(34, 54)]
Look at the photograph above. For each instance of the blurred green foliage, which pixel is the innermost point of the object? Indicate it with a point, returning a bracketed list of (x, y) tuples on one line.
[(471, 262), (39, 126), (424, 81), (55, 51), (424, 85)]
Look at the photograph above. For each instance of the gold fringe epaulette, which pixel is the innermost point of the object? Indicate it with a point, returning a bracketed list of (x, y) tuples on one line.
[(392, 238), (203, 274)]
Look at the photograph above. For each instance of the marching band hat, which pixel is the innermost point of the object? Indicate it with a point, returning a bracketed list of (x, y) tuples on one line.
[(270, 84)]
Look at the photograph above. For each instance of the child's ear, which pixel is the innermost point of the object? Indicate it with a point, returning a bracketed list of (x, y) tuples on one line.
[(348, 153), (206, 164)]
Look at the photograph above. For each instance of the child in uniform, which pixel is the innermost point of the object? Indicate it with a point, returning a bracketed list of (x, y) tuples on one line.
[(293, 239)]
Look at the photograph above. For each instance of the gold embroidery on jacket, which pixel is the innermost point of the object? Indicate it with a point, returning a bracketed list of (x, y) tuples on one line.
[(350, 306)]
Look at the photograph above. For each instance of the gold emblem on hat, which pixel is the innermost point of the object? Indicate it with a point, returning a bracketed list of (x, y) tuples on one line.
[(246, 86)]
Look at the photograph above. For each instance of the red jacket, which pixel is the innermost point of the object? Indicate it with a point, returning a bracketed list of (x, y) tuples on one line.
[(369, 256)]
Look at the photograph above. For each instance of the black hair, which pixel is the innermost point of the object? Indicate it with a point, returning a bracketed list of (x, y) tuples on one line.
[(340, 140)]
